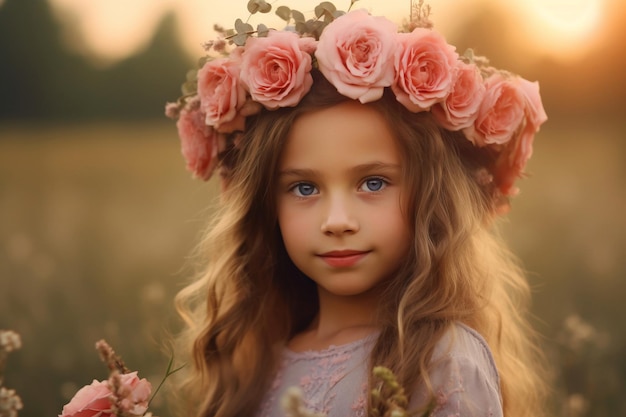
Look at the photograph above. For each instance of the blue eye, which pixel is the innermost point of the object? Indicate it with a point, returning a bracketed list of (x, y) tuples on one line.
[(373, 184), (303, 189)]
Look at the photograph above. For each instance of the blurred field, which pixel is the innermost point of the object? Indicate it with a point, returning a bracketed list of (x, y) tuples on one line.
[(97, 222)]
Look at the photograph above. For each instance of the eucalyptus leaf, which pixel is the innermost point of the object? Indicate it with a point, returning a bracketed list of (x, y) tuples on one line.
[(189, 88), (192, 75), (259, 6), (325, 8), (265, 7), (240, 39), (262, 30), (242, 27), (284, 13), (338, 13), (298, 16), (302, 28), (239, 25), (253, 6), (316, 27)]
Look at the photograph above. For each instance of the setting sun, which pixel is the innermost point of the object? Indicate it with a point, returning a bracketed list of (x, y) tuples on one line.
[(562, 28)]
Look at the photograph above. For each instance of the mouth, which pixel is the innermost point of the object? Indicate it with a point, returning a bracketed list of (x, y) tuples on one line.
[(343, 258)]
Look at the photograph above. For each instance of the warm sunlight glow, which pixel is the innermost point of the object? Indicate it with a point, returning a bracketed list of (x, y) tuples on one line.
[(113, 29), (562, 28), (109, 29)]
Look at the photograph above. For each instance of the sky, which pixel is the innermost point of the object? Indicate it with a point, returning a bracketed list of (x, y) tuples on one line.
[(112, 29)]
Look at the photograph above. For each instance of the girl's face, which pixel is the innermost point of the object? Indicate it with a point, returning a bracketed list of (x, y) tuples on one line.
[(339, 199)]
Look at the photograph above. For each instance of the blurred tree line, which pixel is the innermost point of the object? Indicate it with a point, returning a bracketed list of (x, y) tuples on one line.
[(41, 80)]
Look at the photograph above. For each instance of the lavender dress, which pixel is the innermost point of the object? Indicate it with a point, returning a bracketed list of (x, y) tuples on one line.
[(333, 380)]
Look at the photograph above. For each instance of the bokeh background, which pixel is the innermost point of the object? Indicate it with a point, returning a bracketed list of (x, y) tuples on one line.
[(98, 216)]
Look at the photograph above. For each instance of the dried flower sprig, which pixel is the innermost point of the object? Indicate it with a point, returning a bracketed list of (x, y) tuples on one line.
[(419, 16), (108, 356), (10, 402), (293, 404), (388, 398)]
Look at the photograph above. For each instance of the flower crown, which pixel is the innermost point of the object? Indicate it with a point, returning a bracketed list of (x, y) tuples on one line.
[(360, 55)]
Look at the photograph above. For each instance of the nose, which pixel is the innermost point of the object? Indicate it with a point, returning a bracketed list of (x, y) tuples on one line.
[(339, 217)]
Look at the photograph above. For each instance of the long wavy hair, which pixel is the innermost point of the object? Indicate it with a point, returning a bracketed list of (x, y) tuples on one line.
[(249, 298)]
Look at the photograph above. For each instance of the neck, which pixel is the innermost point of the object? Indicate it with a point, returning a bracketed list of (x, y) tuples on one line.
[(344, 318)]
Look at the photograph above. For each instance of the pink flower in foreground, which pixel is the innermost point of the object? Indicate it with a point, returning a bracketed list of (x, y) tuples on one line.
[(199, 143), (220, 91), (513, 158), (90, 401), (94, 400), (355, 53), (135, 394), (501, 112), (460, 107), (424, 65), (275, 69)]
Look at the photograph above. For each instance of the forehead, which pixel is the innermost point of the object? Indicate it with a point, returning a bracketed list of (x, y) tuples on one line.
[(349, 133)]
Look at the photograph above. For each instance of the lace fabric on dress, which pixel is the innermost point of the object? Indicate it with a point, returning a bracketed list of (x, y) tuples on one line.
[(334, 380)]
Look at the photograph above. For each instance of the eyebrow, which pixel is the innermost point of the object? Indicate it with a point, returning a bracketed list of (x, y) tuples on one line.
[(371, 166)]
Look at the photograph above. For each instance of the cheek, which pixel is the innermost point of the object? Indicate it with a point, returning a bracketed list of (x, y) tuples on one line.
[(293, 226), (396, 229)]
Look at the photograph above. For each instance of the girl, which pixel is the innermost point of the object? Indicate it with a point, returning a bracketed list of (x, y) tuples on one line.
[(362, 172)]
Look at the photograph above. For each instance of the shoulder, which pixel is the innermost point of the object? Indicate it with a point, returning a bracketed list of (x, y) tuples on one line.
[(463, 376), (464, 344)]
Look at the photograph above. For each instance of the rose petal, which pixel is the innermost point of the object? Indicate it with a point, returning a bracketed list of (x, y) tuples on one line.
[(355, 54)]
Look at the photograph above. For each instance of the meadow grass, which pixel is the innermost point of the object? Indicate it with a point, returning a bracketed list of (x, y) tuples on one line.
[(97, 223)]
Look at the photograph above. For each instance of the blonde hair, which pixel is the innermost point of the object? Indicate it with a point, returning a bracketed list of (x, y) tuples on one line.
[(250, 299)]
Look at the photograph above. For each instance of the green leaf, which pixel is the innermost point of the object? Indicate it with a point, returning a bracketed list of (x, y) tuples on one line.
[(302, 28), (325, 9), (192, 75), (298, 16), (258, 6), (284, 13), (262, 30), (242, 27), (316, 27), (253, 6), (265, 7), (188, 88), (240, 39)]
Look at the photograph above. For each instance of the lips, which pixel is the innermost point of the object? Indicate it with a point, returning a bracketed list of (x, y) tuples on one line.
[(343, 258)]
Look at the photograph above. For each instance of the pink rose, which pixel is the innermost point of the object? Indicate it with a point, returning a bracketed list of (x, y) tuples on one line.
[(513, 158), (220, 91), (460, 108), (535, 114), (199, 143), (424, 65), (355, 53), (94, 400), (276, 70), (135, 394), (90, 401), (501, 112)]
